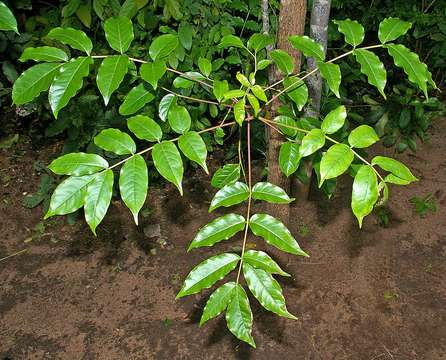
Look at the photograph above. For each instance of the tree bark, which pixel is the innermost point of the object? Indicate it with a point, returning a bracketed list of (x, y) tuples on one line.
[(320, 15), (291, 22)]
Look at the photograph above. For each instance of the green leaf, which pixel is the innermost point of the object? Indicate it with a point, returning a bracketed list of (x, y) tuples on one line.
[(135, 100), (392, 28), (168, 162), (7, 19), (98, 197), (392, 179), (144, 128), (194, 148), (152, 72), (222, 228), (411, 64), (68, 82), (283, 60), (373, 68), (275, 233), (218, 302), (78, 164), (254, 103), (332, 74), (77, 39), (207, 273), (185, 32), (164, 106), (311, 142), (130, 8), (220, 89), (308, 46), (133, 183), (205, 66), (33, 81), (115, 141), (334, 120), (110, 75), (71, 7), (119, 33), (335, 162), (44, 53), (363, 136), (259, 93), (263, 64), (237, 93), (179, 119), (395, 167), (230, 40), (239, 316), (258, 42), (226, 175), (229, 195), (239, 112), (266, 290), (83, 13), (364, 192), (352, 30), (297, 91), (69, 195), (286, 125), (242, 79), (271, 193), (262, 260), (187, 80), (162, 46), (289, 158)]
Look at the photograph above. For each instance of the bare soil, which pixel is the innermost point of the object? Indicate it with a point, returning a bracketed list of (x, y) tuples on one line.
[(376, 293)]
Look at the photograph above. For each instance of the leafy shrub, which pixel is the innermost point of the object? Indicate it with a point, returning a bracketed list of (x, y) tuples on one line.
[(173, 133)]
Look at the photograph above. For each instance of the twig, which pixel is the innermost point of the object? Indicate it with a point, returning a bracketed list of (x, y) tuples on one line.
[(12, 255)]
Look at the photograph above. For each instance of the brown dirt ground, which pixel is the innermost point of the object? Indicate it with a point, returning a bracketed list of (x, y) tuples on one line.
[(371, 294)]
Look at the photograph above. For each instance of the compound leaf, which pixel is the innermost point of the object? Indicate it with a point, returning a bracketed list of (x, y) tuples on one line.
[(208, 272), (222, 228), (275, 233)]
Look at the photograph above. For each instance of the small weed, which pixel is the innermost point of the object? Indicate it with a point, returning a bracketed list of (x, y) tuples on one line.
[(303, 230), (383, 216), (422, 205), (390, 295)]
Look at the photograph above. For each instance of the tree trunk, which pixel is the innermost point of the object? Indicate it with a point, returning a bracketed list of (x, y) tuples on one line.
[(291, 22), (320, 15)]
